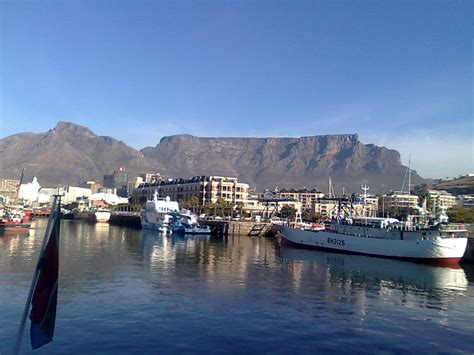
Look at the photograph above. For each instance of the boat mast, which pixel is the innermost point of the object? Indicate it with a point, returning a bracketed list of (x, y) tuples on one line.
[(409, 175), (331, 189)]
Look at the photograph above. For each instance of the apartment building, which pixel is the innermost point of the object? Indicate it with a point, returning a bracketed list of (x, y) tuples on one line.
[(440, 200), (205, 188), (306, 197), (398, 200), (8, 188)]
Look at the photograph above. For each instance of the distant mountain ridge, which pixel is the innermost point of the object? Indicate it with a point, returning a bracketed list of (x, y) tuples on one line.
[(71, 154), (66, 154)]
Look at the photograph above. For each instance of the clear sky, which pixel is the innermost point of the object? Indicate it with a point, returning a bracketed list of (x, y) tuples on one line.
[(399, 73)]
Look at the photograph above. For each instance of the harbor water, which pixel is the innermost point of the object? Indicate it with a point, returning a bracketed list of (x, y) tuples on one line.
[(125, 290)]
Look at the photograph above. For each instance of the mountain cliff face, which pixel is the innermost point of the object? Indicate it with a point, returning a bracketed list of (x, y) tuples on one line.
[(71, 154), (284, 162), (66, 154)]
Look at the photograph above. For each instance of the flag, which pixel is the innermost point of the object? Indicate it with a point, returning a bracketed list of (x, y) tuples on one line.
[(43, 310)]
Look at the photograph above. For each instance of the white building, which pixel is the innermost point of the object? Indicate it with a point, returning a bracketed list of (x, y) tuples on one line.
[(440, 200), (398, 200), (74, 193)]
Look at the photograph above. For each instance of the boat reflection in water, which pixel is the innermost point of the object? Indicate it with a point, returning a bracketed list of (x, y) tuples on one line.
[(419, 279)]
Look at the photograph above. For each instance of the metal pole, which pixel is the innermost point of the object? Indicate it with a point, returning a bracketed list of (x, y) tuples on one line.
[(21, 328)]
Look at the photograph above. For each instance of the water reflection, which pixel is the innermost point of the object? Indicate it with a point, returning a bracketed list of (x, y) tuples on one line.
[(123, 288), (398, 281)]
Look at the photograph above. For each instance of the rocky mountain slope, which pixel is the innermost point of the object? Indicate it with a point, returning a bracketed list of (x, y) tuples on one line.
[(71, 154), (460, 186), (284, 162), (66, 154)]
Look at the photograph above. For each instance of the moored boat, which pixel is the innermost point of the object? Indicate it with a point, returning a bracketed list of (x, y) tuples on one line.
[(157, 214), (385, 237), (102, 216), (14, 220), (186, 223)]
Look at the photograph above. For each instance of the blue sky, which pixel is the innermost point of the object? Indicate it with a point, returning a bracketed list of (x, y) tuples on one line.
[(399, 73)]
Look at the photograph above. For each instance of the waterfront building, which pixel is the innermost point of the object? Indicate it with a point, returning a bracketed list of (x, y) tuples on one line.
[(94, 186), (8, 188), (204, 188), (150, 177), (133, 184), (305, 196), (118, 180), (46, 195), (326, 208), (397, 200), (440, 200), (74, 193), (466, 201)]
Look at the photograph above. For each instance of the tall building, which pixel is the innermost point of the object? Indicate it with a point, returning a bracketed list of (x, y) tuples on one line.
[(118, 180)]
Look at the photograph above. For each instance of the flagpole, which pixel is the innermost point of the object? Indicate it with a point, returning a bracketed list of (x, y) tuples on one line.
[(21, 329)]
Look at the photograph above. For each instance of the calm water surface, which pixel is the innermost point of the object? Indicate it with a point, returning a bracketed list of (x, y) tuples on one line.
[(126, 290)]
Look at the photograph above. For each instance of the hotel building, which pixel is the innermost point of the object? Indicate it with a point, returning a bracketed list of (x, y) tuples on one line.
[(205, 188)]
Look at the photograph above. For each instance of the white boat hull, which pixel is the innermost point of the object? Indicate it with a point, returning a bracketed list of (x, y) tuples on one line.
[(437, 250), (102, 216)]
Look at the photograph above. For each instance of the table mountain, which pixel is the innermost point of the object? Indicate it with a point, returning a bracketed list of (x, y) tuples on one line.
[(71, 154), (284, 162)]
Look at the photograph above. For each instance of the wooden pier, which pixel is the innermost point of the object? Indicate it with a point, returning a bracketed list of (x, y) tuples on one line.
[(218, 227), (244, 228)]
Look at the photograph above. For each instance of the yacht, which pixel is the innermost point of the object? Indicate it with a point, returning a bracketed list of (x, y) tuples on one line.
[(157, 214)]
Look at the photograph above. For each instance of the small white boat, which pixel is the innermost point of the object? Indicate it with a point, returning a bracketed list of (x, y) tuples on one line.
[(102, 216), (185, 222)]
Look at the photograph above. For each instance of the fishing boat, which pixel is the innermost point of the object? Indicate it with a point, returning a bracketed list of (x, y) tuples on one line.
[(185, 222), (14, 220), (157, 214), (385, 237)]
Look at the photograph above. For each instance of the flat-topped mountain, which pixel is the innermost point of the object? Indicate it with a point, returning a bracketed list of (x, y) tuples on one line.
[(71, 154), (284, 162)]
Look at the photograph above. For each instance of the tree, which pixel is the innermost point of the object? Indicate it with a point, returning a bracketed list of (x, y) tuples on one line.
[(458, 214), (311, 216), (287, 212)]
